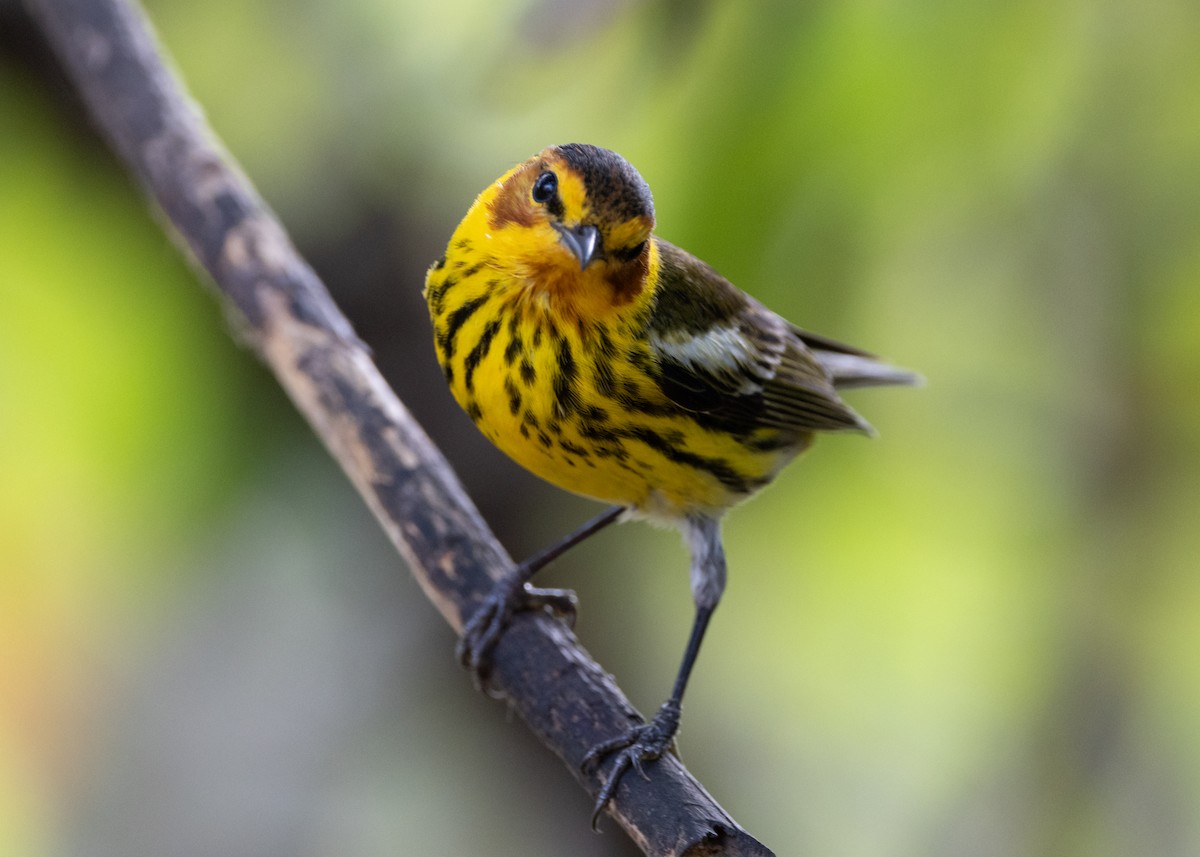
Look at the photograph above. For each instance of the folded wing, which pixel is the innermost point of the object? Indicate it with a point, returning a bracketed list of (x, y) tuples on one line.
[(723, 354)]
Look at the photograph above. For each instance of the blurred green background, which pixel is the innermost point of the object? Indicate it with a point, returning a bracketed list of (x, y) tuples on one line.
[(979, 634)]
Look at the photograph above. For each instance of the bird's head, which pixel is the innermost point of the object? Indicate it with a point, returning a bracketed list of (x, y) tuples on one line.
[(574, 222)]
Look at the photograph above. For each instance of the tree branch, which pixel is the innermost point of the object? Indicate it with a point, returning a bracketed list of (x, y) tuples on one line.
[(284, 312)]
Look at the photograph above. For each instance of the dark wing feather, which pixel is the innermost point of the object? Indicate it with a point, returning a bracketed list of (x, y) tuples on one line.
[(722, 354)]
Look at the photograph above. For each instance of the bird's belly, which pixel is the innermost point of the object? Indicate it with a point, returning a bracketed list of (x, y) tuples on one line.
[(664, 465)]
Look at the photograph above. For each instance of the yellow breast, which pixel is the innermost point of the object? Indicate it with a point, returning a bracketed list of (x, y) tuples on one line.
[(573, 399)]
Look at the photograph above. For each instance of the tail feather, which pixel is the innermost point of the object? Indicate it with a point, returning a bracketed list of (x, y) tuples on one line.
[(852, 367), (859, 370)]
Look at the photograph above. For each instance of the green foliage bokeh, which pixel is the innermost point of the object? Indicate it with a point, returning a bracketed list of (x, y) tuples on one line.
[(977, 634)]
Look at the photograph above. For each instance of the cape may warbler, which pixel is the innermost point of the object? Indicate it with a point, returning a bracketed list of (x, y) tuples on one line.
[(615, 365)]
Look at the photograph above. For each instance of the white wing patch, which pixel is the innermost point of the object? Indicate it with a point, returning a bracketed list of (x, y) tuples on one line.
[(721, 352)]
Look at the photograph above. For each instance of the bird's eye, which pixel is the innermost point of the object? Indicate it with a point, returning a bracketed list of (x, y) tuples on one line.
[(545, 187)]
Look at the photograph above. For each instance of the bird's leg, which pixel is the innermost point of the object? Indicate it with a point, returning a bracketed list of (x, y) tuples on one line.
[(512, 593), (651, 740)]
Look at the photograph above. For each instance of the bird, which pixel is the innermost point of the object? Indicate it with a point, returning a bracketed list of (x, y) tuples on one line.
[(617, 366)]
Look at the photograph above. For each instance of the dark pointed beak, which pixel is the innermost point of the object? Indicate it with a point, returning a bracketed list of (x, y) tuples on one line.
[(582, 240)]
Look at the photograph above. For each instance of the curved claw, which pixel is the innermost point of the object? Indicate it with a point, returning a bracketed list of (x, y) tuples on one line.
[(562, 603), (640, 744), (513, 592), (508, 596), (620, 766), (480, 633)]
